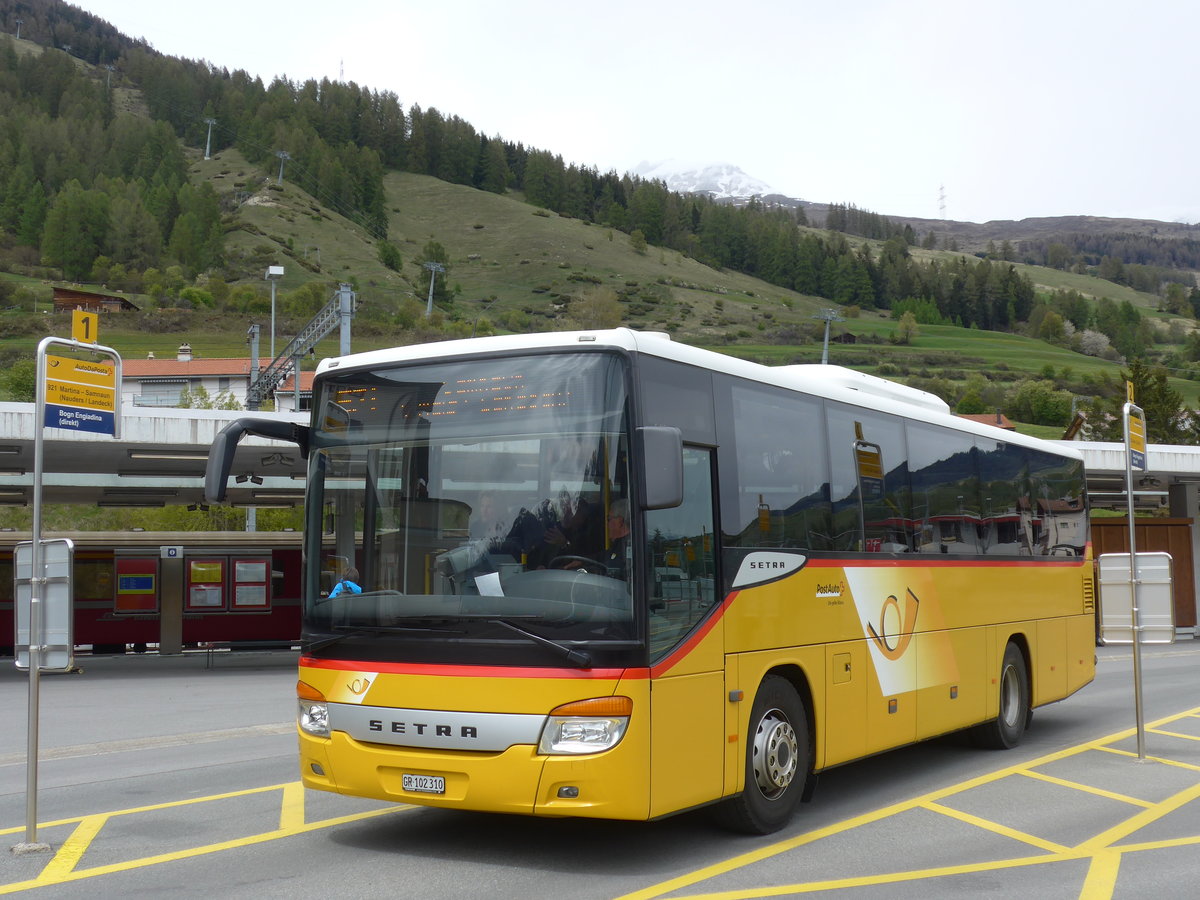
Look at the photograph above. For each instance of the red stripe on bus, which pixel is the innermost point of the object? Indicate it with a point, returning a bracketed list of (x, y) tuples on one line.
[(947, 563), (687, 646)]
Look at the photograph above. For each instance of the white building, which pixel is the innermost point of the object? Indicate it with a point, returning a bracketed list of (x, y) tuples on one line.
[(161, 383)]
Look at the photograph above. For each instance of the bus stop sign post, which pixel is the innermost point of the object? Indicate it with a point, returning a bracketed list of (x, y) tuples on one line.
[(1135, 456), (86, 397)]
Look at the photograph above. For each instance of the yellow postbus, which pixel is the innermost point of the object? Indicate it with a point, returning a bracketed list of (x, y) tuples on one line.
[(606, 574)]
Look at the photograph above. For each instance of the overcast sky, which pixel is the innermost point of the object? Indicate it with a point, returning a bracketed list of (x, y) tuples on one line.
[(1014, 109)]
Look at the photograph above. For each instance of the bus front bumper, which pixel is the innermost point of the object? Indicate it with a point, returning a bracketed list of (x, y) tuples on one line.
[(517, 780)]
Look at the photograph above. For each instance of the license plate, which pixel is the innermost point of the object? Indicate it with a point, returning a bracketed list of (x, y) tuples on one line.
[(423, 784)]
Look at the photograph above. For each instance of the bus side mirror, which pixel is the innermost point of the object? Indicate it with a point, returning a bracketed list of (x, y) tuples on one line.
[(660, 448), (225, 444)]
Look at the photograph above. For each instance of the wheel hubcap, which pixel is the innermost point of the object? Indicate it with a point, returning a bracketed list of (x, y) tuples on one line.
[(776, 752)]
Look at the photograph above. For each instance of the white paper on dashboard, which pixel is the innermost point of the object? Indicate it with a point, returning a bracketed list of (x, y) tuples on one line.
[(489, 584)]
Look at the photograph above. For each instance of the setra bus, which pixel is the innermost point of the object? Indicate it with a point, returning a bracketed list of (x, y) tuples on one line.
[(606, 574)]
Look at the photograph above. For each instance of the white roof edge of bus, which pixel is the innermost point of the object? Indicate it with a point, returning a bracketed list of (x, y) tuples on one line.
[(832, 382), (870, 384)]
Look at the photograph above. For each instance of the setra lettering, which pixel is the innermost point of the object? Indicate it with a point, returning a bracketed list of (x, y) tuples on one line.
[(420, 728)]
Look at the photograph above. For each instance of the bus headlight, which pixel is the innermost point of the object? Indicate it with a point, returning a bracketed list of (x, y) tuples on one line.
[(313, 713), (586, 726)]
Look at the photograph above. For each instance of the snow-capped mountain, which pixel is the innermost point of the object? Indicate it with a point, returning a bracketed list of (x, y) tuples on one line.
[(720, 180)]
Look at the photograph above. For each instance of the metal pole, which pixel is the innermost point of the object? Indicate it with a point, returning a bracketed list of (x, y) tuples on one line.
[(37, 581), (345, 314), (433, 268), (252, 339), (272, 320), (830, 316), (1135, 612)]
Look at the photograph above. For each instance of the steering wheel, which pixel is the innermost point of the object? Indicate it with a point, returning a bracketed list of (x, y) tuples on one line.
[(585, 564)]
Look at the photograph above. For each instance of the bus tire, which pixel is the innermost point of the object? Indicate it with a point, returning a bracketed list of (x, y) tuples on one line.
[(1005, 731), (778, 760)]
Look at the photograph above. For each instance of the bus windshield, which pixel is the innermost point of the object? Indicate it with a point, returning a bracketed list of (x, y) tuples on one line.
[(467, 503)]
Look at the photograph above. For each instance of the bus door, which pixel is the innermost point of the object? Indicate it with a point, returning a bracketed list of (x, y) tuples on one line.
[(687, 694)]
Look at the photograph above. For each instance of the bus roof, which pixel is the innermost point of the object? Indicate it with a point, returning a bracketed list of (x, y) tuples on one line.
[(829, 381)]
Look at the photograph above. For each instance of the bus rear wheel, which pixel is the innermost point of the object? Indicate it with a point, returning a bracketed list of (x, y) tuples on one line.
[(778, 759), (1006, 730)]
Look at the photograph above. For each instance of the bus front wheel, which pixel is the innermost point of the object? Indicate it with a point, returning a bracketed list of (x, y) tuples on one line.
[(778, 759), (1005, 731)]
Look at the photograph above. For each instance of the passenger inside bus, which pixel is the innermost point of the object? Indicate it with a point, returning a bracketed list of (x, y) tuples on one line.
[(584, 551), (488, 521), (616, 558), (348, 585)]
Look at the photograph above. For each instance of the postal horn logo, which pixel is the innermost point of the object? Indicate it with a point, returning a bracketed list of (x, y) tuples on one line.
[(896, 625), (359, 685)]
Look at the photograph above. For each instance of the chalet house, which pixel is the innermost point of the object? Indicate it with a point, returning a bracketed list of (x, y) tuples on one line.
[(70, 299)]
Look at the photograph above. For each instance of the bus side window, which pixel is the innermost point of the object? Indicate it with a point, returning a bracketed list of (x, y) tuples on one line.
[(779, 496), (682, 562), (871, 505)]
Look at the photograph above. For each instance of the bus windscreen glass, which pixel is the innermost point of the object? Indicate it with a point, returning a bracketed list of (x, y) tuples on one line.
[(470, 500)]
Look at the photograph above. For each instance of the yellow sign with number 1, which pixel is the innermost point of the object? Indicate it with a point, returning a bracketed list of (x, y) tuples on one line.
[(85, 327)]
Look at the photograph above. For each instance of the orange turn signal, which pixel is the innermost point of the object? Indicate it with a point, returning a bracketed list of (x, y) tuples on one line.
[(598, 707), (308, 692)]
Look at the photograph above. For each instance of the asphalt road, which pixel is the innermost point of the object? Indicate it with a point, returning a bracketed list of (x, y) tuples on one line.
[(163, 776)]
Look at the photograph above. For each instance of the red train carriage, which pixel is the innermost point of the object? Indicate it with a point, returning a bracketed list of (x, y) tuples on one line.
[(173, 589)]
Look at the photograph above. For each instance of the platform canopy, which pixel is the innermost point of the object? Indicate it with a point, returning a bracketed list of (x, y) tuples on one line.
[(160, 457), (158, 460), (1168, 466)]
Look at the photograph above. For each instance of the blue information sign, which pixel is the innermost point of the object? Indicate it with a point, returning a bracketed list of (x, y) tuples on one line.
[(78, 419)]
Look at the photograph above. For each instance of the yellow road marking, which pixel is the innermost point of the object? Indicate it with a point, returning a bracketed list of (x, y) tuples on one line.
[(291, 813), (1102, 873), (1101, 877), (837, 884), (1087, 788), (1175, 734), (1105, 858), (72, 850), (249, 841), (1123, 829), (995, 827), (62, 867), (170, 804), (1153, 759)]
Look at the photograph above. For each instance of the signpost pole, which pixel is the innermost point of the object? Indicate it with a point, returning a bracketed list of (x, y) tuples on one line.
[(1135, 455), (93, 415), (37, 584)]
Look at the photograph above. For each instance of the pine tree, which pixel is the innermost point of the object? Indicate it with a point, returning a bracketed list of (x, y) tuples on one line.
[(75, 231)]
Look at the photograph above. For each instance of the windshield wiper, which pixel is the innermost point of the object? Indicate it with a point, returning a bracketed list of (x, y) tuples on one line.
[(367, 630), (580, 658)]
